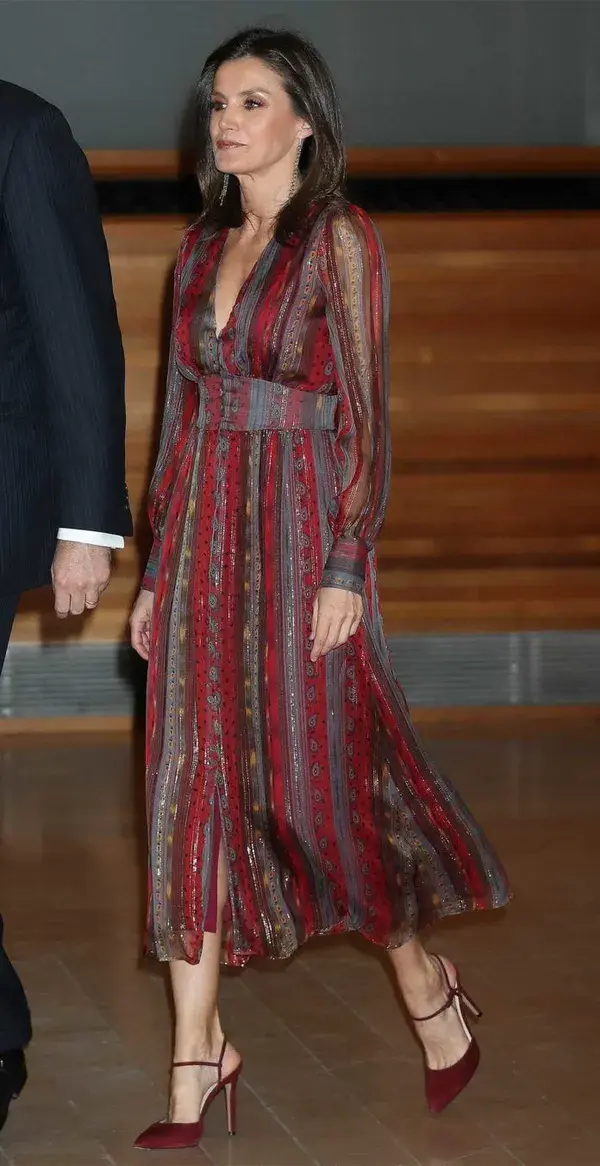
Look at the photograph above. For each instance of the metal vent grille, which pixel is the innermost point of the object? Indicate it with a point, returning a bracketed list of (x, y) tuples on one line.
[(564, 668), (458, 670), (436, 671), (525, 668), (69, 680)]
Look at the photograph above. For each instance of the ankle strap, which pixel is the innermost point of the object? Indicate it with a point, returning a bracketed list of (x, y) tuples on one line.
[(452, 994), (206, 1064)]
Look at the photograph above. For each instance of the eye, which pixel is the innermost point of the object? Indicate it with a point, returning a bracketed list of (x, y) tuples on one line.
[(214, 105), (253, 103)]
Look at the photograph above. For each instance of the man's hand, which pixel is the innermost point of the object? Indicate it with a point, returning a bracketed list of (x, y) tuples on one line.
[(80, 573)]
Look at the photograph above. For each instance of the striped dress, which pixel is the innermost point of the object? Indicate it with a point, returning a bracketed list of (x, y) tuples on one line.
[(271, 482)]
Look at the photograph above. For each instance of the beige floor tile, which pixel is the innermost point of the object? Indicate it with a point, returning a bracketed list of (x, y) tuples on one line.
[(332, 1076)]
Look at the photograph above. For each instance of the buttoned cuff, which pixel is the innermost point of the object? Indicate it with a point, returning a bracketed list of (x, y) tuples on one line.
[(149, 579), (94, 538), (346, 565)]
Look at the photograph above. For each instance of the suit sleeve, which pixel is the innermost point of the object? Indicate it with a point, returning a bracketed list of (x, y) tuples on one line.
[(355, 276), (54, 229)]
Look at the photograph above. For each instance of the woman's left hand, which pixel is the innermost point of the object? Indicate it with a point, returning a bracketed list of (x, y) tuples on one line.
[(336, 616)]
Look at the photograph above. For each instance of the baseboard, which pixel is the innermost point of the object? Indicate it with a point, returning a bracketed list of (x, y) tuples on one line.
[(521, 719)]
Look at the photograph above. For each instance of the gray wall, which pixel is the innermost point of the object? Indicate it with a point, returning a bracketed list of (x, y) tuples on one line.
[(409, 71)]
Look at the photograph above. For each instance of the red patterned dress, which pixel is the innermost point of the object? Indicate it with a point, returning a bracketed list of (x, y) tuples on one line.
[(271, 481)]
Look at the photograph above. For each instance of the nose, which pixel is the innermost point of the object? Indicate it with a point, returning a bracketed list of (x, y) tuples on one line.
[(228, 120)]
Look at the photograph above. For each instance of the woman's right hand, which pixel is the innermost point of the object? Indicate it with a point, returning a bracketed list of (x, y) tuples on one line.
[(139, 622)]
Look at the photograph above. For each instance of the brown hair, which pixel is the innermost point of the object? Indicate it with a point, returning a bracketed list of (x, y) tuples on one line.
[(309, 84)]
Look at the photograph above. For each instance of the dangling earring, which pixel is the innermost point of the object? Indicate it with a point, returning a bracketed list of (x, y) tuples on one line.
[(297, 179), (223, 193)]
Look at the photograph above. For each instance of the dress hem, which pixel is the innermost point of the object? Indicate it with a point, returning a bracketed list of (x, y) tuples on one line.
[(239, 959)]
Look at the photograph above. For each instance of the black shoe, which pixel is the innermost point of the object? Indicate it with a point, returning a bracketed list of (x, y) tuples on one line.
[(13, 1075)]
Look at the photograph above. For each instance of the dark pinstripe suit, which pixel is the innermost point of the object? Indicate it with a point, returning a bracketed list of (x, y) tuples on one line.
[(15, 1024), (62, 408), (62, 400)]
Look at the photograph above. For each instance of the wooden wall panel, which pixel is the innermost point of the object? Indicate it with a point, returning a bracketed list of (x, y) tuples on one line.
[(494, 519), (378, 161)]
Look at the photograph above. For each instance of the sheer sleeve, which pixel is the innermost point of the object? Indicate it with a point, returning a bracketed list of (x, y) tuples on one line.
[(354, 273), (177, 418)]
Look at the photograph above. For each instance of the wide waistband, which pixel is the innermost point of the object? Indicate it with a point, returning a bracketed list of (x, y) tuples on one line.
[(248, 403)]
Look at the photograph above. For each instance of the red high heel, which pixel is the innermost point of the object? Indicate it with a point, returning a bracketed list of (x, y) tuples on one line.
[(443, 1085), (179, 1135)]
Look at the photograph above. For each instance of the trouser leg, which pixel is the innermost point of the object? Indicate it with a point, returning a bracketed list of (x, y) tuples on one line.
[(15, 1022)]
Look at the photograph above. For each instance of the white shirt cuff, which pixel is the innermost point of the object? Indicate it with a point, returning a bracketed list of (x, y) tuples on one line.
[(92, 537)]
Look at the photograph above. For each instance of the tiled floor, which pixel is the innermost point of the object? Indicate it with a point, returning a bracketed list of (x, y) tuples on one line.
[(333, 1076)]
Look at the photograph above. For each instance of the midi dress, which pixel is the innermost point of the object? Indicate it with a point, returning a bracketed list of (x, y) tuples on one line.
[(271, 482)]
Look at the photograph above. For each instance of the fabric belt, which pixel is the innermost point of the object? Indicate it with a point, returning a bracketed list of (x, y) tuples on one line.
[(248, 403)]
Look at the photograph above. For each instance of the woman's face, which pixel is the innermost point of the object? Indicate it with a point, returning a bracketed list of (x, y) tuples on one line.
[(253, 126)]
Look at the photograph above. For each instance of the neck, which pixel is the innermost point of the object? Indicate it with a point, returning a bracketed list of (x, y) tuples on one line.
[(263, 197)]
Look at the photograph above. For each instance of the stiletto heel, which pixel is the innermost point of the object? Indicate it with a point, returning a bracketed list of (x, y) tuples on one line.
[(176, 1135), (231, 1104), (442, 1086), (469, 1003)]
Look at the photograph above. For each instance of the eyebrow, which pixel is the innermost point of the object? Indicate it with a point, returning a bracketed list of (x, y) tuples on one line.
[(245, 92)]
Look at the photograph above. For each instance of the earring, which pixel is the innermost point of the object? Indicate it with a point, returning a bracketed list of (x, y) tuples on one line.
[(223, 193), (297, 179)]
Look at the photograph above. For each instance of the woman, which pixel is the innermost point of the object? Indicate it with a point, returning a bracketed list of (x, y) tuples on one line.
[(287, 793)]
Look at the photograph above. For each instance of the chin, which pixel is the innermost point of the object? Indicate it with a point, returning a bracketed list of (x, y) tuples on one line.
[(231, 165), (235, 171)]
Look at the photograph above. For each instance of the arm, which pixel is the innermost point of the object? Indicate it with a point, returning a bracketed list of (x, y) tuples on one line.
[(177, 418), (354, 273), (55, 233)]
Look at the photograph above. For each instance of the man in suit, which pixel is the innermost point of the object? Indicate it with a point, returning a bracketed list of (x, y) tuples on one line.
[(63, 498)]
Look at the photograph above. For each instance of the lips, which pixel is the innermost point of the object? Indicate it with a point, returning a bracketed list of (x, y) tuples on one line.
[(223, 145)]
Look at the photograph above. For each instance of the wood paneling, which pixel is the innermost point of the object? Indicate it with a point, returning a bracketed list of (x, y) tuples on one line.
[(379, 161), (495, 361), (494, 519)]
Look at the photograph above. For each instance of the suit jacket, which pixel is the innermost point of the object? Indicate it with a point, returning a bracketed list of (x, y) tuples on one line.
[(62, 378)]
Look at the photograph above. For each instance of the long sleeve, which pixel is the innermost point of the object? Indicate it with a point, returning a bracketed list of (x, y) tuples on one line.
[(175, 426), (55, 233), (354, 273)]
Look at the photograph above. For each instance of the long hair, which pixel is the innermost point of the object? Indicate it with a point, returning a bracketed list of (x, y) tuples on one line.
[(309, 85)]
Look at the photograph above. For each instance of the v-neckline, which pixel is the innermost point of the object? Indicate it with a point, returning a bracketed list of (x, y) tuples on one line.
[(220, 332)]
